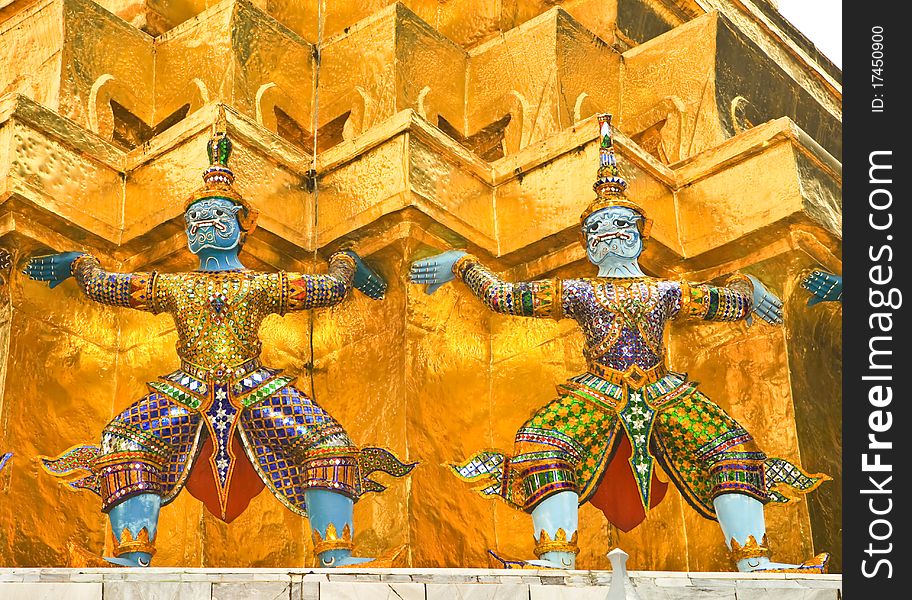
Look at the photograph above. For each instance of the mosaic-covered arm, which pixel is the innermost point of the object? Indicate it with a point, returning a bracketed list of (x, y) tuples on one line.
[(731, 302), (299, 291), (524, 299), (130, 290)]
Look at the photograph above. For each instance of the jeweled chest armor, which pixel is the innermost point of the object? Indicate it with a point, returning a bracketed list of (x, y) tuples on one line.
[(218, 314), (623, 320)]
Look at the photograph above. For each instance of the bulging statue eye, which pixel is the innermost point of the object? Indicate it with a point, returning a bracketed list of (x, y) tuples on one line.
[(194, 215), (219, 212), (592, 227), (621, 223)]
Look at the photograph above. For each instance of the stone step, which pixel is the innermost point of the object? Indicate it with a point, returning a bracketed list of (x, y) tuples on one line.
[(164, 583)]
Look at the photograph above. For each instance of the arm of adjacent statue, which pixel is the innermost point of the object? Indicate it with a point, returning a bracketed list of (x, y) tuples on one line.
[(367, 281), (741, 297), (823, 286), (301, 291), (130, 290), (527, 299)]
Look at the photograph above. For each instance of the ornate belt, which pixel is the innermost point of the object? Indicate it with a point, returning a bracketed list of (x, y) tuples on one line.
[(221, 372), (635, 376)]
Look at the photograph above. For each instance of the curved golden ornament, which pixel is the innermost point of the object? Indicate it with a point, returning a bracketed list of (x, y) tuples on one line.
[(750, 549), (141, 543), (332, 541), (560, 543)]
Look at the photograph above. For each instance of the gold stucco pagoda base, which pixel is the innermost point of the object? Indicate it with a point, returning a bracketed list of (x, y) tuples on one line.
[(438, 125)]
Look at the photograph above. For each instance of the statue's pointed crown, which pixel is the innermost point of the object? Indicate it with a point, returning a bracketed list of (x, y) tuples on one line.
[(610, 188), (218, 178)]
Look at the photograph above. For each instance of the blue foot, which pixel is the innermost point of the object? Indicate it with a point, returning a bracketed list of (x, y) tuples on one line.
[(352, 560), (517, 563), (817, 564), (131, 559)]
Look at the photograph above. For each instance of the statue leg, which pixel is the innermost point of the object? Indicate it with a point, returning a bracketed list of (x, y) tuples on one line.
[(332, 524), (145, 449), (554, 521), (545, 474), (548, 451), (288, 428), (742, 522), (134, 523), (720, 470)]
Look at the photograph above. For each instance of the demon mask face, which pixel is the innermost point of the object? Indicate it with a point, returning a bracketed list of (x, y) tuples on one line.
[(613, 239), (212, 223)]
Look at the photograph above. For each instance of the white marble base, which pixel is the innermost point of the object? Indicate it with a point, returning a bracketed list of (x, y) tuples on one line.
[(162, 583)]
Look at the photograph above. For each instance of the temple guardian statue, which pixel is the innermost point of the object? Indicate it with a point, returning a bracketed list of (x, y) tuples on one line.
[(223, 425), (601, 439)]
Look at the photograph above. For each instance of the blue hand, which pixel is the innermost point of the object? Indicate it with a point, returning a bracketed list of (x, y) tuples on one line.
[(368, 281), (53, 268), (436, 270), (823, 286), (767, 305)]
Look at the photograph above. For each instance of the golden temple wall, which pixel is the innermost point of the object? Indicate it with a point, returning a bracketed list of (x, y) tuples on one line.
[(438, 126)]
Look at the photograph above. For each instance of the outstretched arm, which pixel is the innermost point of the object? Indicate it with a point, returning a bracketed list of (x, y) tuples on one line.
[(527, 299), (299, 291), (130, 290), (741, 297)]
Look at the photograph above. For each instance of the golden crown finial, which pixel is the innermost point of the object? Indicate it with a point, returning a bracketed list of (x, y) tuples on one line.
[(610, 188), (218, 178), (220, 126), (609, 181)]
